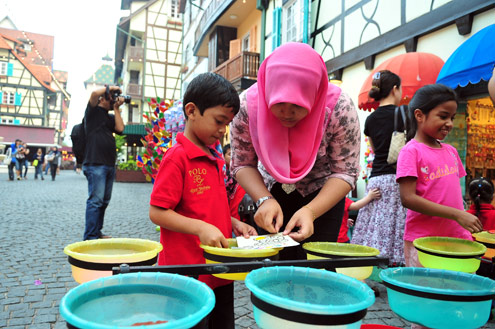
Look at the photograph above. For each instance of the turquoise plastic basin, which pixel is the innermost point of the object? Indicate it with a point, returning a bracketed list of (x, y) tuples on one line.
[(301, 298), (166, 300), (439, 298)]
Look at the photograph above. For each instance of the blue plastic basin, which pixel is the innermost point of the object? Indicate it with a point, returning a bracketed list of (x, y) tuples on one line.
[(298, 298), (439, 299), (128, 299)]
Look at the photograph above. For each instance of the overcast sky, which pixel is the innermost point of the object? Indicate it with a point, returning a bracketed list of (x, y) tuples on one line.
[(84, 32)]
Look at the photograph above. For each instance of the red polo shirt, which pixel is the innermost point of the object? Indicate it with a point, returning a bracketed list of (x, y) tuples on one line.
[(192, 184)]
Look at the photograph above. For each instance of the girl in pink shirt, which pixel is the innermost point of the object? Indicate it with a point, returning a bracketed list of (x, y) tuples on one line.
[(428, 173)]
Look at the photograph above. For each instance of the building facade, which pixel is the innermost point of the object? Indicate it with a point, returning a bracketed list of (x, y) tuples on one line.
[(33, 95)]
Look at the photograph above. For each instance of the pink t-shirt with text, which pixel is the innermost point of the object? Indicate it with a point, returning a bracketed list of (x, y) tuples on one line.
[(438, 171)]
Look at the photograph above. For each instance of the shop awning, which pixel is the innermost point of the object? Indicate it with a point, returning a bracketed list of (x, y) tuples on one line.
[(472, 61), (415, 70), (134, 129), (33, 136)]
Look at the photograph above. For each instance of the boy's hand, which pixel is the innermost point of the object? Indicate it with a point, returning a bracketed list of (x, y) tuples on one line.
[(210, 235), (469, 221), (303, 219), (374, 194), (350, 222), (269, 216), (243, 229)]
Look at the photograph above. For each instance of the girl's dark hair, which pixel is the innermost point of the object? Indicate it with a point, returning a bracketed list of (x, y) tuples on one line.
[(382, 84), (426, 99), (480, 191), (226, 147), (210, 90)]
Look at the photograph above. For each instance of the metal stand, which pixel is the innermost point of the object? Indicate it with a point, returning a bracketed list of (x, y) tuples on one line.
[(240, 267)]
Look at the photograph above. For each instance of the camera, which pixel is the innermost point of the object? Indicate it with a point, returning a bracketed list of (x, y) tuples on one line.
[(115, 94)]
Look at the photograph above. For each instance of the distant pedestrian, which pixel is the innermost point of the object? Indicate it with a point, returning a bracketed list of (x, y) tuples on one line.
[(20, 158), (26, 160), (12, 151), (54, 158), (38, 160), (100, 155)]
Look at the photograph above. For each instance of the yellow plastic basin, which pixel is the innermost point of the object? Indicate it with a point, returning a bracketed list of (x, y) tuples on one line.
[(93, 259), (486, 238), (448, 253), (214, 255), (321, 250)]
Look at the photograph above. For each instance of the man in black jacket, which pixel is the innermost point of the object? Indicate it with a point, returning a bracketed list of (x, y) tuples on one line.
[(100, 155)]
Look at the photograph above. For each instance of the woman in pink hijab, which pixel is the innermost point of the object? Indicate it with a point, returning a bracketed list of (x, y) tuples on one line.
[(295, 147)]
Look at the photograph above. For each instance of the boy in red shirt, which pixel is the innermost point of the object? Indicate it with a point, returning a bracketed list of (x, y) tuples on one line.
[(189, 198)]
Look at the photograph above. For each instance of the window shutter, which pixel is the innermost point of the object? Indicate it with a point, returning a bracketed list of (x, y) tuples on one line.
[(18, 97), (1, 97), (252, 39), (277, 23), (10, 69), (235, 48)]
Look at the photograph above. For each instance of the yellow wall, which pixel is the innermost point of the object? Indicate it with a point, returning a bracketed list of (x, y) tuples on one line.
[(245, 27)]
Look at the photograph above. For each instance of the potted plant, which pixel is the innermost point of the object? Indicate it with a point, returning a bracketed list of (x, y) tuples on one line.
[(129, 172)]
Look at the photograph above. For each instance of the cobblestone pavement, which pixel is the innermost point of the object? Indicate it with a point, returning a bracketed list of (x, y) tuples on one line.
[(39, 218)]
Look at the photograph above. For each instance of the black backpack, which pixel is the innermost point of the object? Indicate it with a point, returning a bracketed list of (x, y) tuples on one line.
[(78, 137)]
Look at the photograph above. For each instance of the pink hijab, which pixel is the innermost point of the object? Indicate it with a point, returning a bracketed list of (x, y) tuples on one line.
[(293, 73)]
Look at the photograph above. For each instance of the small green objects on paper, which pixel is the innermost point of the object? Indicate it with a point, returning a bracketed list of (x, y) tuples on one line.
[(277, 240)]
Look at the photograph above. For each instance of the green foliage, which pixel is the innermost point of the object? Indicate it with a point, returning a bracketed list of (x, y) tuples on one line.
[(130, 164), (120, 140)]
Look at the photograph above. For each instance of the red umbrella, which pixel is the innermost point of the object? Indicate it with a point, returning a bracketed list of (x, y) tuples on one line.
[(415, 70)]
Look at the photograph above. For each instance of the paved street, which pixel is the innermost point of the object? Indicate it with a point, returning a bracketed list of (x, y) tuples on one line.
[(39, 218)]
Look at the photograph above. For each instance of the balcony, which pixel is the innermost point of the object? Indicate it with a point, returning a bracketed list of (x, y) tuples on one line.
[(136, 54), (244, 66), (134, 90)]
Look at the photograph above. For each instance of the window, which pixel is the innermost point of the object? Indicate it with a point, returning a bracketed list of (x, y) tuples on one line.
[(245, 43), (8, 98), (292, 21), (174, 10), (6, 69), (8, 121)]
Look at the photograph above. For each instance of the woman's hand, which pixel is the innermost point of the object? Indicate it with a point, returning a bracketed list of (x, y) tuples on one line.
[(210, 235), (469, 221), (269, 216), (242, 229), (303, 219)]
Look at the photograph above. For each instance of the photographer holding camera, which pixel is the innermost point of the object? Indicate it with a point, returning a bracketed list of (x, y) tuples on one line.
[(100, 154)]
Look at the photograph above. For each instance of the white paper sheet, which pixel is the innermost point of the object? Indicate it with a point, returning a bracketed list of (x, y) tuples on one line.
[(277, 240)]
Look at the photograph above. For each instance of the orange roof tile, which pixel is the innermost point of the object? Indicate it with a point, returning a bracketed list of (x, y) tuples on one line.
[(43, 43)]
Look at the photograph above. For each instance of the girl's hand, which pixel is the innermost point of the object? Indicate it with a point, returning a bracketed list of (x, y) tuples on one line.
[(269, 216), (350, 222), (243, 229), (303, 219), (210, 235), (469, 221)]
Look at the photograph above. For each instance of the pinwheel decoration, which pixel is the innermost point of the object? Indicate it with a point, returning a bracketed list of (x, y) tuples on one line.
[(161, 128)]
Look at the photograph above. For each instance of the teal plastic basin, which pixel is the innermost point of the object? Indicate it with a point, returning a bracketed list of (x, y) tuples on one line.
[(301, 298), (439, 298), (166, 300)]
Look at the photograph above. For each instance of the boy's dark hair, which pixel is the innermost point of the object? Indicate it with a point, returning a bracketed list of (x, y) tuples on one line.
[(382, 84), (210, 90), (480, 191), (426, 99), (226, 147)]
